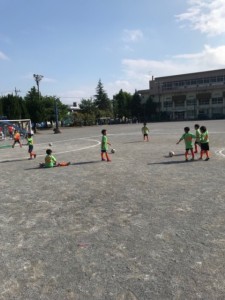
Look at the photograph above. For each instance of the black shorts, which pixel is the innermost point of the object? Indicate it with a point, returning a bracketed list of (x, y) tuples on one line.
[(205, 146), (103, 151), (30, 148), (145, 134), (197, 143), (187, 149)]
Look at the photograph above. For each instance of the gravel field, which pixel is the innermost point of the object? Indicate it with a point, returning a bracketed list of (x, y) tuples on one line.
[(144, 226)]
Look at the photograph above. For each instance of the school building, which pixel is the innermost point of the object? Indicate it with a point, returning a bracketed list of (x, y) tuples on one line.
[(190, 96)]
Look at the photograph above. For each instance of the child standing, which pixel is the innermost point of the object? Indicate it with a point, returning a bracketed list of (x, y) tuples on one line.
[(187, 137), (204, 140), (104, 146), (16, 138), (50, 161), (30, 143), (197, 140), (145, 132)]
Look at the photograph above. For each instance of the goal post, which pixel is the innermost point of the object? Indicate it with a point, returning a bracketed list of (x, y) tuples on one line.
[(23, 126)]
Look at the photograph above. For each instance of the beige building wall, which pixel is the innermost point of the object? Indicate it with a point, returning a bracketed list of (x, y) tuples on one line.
[(189, 96)]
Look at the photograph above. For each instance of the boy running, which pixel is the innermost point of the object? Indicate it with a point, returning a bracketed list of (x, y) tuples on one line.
[(145, 132), (187, 137), (16, 138)]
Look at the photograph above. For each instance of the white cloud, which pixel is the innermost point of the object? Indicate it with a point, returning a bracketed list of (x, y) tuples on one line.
[(3, 56), (138, 72), (132, 35), (206, 16)]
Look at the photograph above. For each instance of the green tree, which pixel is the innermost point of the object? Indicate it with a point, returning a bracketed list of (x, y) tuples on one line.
[(12, 107), (34, 106), (101, 99), (122, 104), (136, 107), (49, 108), (87, 106), (150, 109)]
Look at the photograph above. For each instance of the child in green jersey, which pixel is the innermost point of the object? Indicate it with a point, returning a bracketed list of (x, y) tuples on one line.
[(30, 146), (197, 140), (104, 146), (187, 137), (145, 132), (50, 161), (204, 140)]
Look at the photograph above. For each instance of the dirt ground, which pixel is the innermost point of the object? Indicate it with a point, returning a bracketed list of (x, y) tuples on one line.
[(144, 226)]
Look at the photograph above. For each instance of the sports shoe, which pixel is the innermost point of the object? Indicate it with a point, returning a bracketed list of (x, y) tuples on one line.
[(108, 160), (207, 158), (192, 159), (103, 159), (186, 159)]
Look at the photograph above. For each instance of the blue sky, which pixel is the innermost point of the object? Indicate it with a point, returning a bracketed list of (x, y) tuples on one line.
[(74, 43)]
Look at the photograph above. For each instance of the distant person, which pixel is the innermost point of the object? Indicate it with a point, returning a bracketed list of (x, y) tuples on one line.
[(16, 138), (187, 137), (204, 140), (104, 146), (10, 131), (145, 132), (197, 139), (50, 161), (2, 134), (30, 143)]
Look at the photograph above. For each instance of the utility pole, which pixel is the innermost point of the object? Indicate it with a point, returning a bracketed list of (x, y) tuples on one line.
[(37, 79), (17, 91)]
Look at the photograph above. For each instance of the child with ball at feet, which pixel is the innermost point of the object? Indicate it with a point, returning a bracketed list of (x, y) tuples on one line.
[(187, 137), (104, 146), (30, 143), (50, 161)]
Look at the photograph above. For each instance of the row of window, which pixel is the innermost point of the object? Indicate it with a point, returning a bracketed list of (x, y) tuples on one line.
[(193, 102), (193, 82)]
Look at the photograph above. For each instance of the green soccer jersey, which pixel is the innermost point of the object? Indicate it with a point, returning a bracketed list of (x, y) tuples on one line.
[(104, 144), (30, 141), (187, 137), (145, 130), (50, 161), (197, 134), (204, 137)]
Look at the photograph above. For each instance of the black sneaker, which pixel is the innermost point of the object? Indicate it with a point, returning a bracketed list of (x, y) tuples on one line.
[(207, 158)]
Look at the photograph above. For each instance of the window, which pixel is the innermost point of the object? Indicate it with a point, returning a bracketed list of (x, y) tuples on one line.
[(167, 103), (191, 102), (179, 103), (220, 79), (203, 101), (190, 113), (217, 100)]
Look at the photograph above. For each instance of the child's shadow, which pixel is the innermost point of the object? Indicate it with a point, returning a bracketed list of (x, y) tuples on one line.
[(72, 164)]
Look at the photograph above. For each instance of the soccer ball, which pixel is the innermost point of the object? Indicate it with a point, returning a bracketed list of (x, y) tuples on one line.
[(113, 150), (50, 144), (171, 154)]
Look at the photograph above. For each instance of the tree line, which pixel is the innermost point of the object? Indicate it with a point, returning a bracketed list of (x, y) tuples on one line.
[(124, 106)]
